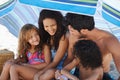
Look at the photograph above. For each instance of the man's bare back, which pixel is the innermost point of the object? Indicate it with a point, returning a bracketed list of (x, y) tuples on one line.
[(102, 41)]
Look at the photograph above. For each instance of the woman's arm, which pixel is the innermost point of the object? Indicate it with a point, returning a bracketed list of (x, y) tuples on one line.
[(63, 44)]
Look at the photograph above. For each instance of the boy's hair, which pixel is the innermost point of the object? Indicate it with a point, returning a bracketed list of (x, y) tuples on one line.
[(88, 53), (78, 21)]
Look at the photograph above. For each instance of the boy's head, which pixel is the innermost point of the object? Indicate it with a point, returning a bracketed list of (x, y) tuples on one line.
[(79, 22), (88, 53)]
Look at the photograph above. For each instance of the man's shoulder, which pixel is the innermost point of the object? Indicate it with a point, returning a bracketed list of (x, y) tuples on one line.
[(107, 35), (110, 39)]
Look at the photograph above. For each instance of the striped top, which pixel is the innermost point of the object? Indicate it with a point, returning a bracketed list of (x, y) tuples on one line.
[(35, 58)]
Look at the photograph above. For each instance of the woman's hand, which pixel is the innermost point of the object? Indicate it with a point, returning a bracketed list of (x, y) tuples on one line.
[(57, 74), (36, 77)]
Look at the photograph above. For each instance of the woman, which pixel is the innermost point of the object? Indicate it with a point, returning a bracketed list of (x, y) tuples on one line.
[(54, 34)]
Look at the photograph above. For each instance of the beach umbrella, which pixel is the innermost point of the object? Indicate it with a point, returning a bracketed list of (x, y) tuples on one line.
[(110, 8), (27, 11), (111, 11), (15, 13), (87, 7), (6, 6)]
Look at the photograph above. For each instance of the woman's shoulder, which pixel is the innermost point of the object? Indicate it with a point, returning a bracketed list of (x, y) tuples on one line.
[(45, 46)]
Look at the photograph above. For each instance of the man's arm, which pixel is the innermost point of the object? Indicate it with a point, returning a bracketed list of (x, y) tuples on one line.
[(113, 46), (72, 40), (69, 57)]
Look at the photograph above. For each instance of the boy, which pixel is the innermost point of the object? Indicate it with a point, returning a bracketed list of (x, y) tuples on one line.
[(88, 60)]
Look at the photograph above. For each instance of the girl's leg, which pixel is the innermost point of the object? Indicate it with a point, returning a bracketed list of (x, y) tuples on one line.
[(48, 75), (6, 69), (27, 73)]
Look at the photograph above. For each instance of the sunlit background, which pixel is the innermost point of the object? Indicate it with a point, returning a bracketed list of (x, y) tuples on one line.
[(14, 14)]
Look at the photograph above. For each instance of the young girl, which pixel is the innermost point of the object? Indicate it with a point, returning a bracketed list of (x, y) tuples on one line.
[(33, 54), (54, 33), (88, 60)]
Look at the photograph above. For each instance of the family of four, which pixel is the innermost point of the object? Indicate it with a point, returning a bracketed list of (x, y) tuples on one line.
[(61, 44)]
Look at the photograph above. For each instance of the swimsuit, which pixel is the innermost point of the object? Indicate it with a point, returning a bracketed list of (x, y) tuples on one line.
[(35, 58), (60, 65)]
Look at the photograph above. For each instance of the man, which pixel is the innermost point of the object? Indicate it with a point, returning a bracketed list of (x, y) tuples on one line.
[(82, 26)]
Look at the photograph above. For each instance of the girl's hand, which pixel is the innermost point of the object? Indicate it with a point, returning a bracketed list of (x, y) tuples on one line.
[(8, 63)]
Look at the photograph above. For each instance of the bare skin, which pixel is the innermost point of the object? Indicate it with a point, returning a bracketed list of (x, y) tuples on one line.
[(72, 39), (109, 47), (49, 71), (53, 26), (108, 44), (27, 71), (73, 36), (6, 69), (85, 74), (89, 74)]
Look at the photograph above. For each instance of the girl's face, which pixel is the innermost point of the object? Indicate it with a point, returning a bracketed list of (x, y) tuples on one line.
[(34, 38), (50, 26)]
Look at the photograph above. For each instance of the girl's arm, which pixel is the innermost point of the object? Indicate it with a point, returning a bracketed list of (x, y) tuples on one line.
[(46, 51)]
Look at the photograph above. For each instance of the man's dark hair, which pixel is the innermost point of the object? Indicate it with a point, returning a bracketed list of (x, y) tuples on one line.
[(78, 21), (88, 53)]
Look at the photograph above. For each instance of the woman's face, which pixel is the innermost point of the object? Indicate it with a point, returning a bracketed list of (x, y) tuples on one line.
[(50, 26)]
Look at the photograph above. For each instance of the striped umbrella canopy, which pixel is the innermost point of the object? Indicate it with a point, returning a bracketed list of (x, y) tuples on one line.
[(111, 11), (6, 6), (79, 6), (16, 13)]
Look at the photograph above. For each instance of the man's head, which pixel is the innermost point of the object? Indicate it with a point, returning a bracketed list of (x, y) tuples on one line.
[(79, 22), (88, 53)]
